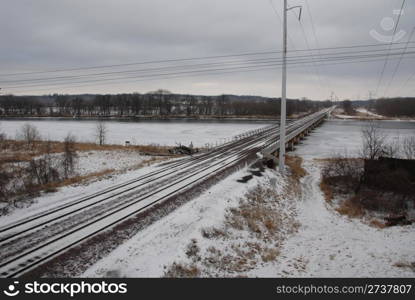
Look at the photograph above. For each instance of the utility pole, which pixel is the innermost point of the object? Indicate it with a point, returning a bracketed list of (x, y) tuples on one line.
[(283, 91)]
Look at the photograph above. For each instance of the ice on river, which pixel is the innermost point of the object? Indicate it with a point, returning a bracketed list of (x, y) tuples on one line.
[(149, 132)]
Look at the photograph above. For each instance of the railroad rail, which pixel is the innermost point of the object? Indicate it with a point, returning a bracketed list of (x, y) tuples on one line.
[(32, 241)]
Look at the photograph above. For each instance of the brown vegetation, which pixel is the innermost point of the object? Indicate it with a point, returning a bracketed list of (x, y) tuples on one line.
[(252, 232), (31, 165), (53, 186), (295, 164), (376, 182), (406, 265), (351, 208), (177, 270), (327, 191), (14, 151)]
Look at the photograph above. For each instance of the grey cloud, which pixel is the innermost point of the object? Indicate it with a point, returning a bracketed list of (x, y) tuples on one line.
[(45, 34)]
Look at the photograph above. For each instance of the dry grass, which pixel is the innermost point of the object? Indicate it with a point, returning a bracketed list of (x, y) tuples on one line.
[(13, 153), (327, 191), (53, 186), (269, 254), (295, 164), (378, 224), (213, 233), (350, 208), (256, 214), (17, 151), (177, 270), (252, 232), (406, 265)]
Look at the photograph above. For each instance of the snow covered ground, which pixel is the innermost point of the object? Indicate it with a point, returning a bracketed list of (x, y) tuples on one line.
[(97, 161), (331, 245), (138, 133), (89, 162), (369, 113), (146, 254), (327, 244)]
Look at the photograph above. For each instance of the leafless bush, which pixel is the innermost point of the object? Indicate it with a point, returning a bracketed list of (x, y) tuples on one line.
[(30, 134), (5, 178), (193, 250), (373, 141), (42, 170), (213, 232), (2, 136), (392, 149), (343, 173), (69, 156), (408, 146), (101, 132)]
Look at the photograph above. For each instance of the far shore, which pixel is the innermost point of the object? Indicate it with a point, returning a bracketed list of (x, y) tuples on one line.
[(151, 118)]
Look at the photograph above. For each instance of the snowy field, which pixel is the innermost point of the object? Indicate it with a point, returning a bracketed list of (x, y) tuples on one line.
[(332, 245), (164, 133), (326, 245), (89, 162), (148, 252), (97, 161)]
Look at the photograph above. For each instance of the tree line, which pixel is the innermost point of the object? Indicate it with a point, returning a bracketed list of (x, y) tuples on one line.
[(158, 103), (396, 107)]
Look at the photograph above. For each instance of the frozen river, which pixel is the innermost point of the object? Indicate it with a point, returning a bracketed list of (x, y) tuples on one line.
[(333, 137), (144, 132), (345, 137)]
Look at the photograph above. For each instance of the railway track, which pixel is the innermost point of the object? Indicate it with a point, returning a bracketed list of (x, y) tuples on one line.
[(32, 241)]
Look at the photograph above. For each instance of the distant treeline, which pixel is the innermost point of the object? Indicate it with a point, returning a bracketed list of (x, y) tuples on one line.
[(397, 107), (159, 103)]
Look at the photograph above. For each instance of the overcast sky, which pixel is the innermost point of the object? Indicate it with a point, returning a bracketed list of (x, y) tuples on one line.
[(57, 34)]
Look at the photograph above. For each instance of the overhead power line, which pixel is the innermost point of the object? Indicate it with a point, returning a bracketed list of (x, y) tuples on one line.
[(56, 70), (293, 60), (313, 29), (390, 46), (243, 68), (190, 66), (399, 63)]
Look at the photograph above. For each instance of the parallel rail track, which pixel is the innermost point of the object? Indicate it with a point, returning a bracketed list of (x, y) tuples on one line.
[(30, 242)]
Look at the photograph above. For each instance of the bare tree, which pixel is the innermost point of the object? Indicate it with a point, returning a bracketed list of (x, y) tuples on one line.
[(408, 146), (393, 148), (69, 156), (42, 170), (101, 132), (30, 134), (2, 137), (5, 178), (348, 107), (373, 141)]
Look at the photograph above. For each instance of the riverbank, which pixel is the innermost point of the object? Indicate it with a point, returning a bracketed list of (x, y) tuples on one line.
[(363, 114), (148, 118)]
